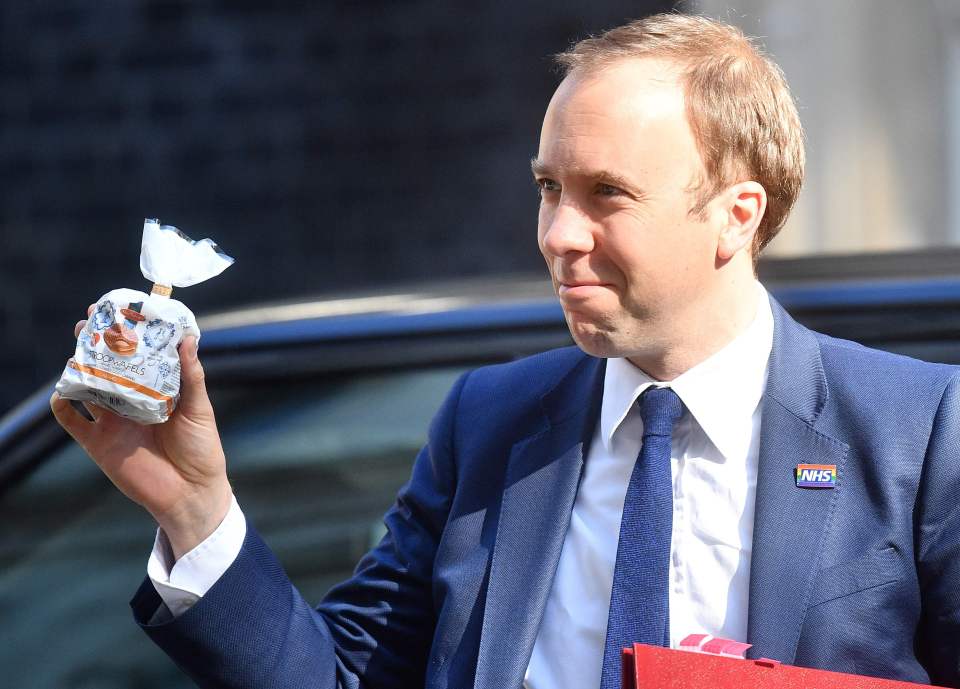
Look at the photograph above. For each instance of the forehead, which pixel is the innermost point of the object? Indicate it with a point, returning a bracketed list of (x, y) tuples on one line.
[(637, 86), (628, 116)]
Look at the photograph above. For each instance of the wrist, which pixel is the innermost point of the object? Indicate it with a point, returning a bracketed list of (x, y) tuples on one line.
[(194, 520)]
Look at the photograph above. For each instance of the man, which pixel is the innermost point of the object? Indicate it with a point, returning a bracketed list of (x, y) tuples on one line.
[(642, 487)]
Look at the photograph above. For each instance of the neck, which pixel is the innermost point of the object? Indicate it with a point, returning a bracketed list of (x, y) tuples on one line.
[(709, 326)]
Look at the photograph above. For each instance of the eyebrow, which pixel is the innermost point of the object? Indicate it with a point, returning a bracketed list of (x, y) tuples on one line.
[(541, 169)]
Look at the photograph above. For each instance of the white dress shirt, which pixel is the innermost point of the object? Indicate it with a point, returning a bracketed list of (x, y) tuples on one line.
[(714, 450)]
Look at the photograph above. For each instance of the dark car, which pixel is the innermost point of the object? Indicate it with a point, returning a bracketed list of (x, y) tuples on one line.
[(322, 407)]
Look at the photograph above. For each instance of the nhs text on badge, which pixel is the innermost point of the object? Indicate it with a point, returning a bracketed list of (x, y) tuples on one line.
[(816, 475)]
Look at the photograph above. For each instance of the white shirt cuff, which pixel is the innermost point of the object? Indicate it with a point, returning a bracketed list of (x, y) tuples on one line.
[(182, 583)]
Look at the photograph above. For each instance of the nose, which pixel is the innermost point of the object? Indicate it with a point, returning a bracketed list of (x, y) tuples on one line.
[(565, 229)]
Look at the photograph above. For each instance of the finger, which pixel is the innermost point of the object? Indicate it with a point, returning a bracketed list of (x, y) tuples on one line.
[(90, 309), (69, 418), (78, 327), (93, 410), (193, 388), (82, 410)]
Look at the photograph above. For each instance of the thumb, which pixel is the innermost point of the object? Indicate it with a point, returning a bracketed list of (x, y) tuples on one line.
[(193, 389)]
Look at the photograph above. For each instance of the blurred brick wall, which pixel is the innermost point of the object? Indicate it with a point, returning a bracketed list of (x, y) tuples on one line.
[(324, 145)]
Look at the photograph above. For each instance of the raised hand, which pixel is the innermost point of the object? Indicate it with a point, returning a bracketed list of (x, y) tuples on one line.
[(175, 470)]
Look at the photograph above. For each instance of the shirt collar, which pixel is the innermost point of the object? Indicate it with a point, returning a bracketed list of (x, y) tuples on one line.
[(721, 392)]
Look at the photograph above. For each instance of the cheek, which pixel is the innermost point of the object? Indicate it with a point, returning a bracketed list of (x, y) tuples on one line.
[(633, 254), (544, 220)]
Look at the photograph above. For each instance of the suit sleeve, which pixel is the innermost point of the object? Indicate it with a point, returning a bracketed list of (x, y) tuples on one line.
[(938, 545), (254, 630)]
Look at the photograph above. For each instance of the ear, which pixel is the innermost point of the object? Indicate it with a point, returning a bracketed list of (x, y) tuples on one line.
[(746, 203)]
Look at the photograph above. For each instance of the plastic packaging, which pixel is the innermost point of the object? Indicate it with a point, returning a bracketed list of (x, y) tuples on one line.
[(126, 358)]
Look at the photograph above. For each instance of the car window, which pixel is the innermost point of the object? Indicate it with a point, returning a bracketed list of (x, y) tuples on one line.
[(314, 463)]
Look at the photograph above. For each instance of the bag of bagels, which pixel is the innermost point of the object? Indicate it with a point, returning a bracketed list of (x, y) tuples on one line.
[(126, 358)]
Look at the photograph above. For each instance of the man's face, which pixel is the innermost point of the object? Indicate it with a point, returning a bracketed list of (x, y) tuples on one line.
[(616, 165)]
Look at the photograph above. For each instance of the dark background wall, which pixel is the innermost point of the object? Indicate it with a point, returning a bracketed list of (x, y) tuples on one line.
[(325, 145)]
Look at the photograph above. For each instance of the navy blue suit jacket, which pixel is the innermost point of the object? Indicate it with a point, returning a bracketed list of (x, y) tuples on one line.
[(862, 578)]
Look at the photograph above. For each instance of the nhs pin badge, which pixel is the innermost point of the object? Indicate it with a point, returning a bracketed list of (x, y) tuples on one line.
[(816, 476)]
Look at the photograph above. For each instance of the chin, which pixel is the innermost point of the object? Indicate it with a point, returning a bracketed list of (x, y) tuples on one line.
[(593, 340), (607, 341)]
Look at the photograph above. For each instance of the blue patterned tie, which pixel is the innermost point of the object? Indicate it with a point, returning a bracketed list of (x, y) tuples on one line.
[(639, 601)]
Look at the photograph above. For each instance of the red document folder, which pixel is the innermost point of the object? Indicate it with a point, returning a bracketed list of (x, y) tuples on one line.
[(654, 667)]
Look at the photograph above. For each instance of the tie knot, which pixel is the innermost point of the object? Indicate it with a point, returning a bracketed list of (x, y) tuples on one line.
[(660, 408)]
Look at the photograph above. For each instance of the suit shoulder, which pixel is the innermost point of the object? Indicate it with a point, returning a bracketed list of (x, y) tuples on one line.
[(528, 378), (859, 364), (501, 404)]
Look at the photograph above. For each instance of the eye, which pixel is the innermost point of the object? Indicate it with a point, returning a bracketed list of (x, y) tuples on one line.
[(608, 190), (547, 185)]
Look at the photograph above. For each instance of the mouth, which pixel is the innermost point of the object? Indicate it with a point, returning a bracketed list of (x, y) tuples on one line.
[(580, 289)]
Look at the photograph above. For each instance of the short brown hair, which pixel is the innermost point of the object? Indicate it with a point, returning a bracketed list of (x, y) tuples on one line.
[(739, 106)]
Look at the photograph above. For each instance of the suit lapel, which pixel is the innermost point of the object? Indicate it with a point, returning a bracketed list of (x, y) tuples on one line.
[(540, 488), (789, 522)]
